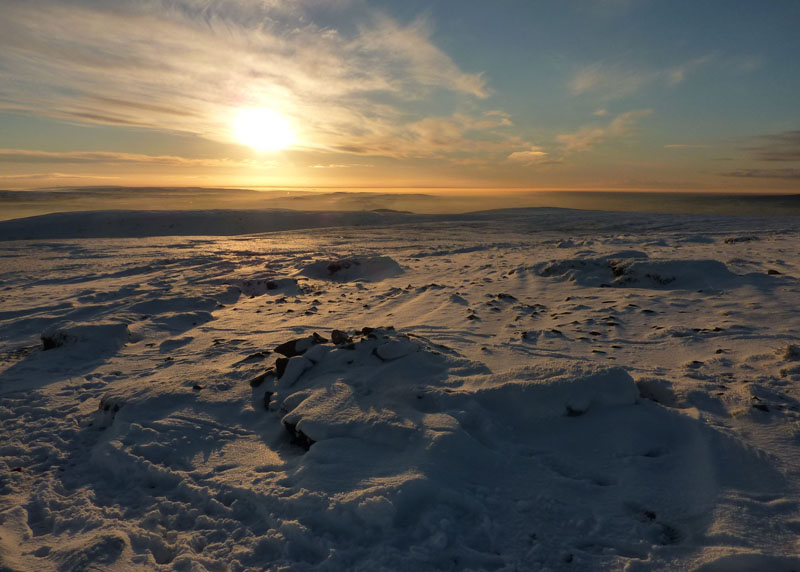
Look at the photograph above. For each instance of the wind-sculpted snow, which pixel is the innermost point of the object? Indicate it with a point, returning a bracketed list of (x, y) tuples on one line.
[(348, 269), (609, 397), (624, 270)]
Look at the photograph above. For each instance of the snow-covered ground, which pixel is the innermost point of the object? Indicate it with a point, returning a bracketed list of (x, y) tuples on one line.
[(517, 390)]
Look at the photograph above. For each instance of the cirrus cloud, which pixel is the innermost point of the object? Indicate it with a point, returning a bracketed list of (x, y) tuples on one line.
[(187, 66), (590, 136)]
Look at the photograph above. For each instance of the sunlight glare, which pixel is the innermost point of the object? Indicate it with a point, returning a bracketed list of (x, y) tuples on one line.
[(263, 129)]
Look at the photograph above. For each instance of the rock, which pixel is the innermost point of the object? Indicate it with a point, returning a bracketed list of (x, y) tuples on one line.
[(773, 272), (280, 366), (253, 357), (739, 239), (339, 337), (792, 352), (300, 345), (259, 379), (298, 437), (54, 340)]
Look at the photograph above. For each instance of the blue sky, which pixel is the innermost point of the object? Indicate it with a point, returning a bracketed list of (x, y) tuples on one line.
[(605, 94)]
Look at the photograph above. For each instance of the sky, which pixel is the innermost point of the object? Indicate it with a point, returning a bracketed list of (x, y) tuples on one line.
[(667, 95)]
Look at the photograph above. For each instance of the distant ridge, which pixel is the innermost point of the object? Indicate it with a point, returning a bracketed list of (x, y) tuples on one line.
[(232, 222), (137, 223)]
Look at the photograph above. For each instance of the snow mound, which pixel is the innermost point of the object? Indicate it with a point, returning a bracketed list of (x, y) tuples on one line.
[(394, 389), (85, 337), (638, 272), (673, 274), (370, 269), (260, 286)]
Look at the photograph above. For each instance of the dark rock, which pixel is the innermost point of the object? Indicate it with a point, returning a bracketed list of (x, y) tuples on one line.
[(298, 437), (756, 403), (339, 337), (50, 342), (280, 366), (258, 356), (300, 345), (259, 379), (574, 412), (267, 399), (773, 272), (738, 239)]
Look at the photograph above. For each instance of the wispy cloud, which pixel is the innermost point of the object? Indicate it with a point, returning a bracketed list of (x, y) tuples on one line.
[(449, 137), (55, 176), (341, 166), (111, 158), (686, 146), (613, 81), (793, 174), (590, 136), (186, 66), (777, 147)]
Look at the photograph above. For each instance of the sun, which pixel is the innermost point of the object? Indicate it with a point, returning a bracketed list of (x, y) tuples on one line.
[(263, 129)]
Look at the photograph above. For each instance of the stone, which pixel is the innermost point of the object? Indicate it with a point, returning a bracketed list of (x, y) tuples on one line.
[(339, 337)]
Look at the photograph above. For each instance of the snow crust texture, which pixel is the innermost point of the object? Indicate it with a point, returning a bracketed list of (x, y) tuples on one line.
[(490, 393)]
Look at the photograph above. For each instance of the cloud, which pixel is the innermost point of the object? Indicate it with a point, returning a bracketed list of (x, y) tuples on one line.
[(614, 81), (188, 65), (50, 176), (590, 136), (533, 156), (111, 158), (451, 137), (341, 166), (678, 74), (793, 174), (777, 147), (410, 49), (686, 146)]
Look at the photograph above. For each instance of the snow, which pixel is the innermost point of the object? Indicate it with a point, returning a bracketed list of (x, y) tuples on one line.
[(515, 390), (374, 268)]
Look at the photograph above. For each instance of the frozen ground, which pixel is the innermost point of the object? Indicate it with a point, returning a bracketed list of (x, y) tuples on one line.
[(542, 390)]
